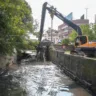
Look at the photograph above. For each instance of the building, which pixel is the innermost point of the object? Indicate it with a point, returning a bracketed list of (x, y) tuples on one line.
[(55, 36), (64, 30)]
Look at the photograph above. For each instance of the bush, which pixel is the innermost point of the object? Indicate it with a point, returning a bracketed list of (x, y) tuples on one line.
[(65, 41)]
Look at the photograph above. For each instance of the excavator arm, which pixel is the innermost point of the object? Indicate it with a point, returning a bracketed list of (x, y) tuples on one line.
[(59, 15), (83, 46)]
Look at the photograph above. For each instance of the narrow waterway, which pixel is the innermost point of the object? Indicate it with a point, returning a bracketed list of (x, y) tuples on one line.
[(41, 79)]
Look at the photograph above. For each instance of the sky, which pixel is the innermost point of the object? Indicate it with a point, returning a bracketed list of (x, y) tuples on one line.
[(78, 7)]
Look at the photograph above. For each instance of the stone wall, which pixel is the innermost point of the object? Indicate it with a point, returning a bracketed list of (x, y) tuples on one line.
[(81, 69), (7, 60)]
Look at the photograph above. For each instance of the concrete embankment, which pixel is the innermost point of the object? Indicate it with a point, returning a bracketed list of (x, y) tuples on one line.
[(4, 60), (7, 62), (81, 69)]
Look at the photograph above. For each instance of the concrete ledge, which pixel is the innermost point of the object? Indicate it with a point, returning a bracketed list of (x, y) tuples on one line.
[(79, 68)]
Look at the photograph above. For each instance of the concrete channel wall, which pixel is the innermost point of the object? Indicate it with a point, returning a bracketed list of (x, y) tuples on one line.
[(81, 69)]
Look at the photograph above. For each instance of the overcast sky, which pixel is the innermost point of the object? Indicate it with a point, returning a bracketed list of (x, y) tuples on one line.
[(65, 7)]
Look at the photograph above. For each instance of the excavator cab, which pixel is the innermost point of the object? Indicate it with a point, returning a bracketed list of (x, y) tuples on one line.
[(80, 40)]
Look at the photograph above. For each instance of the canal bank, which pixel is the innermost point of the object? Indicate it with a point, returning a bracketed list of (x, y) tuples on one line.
[(81, 69)]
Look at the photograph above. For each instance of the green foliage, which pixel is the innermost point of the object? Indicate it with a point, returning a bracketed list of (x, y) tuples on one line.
[(72, 36), (88, 30), (16, 23), (35, 26), (36, 34), (65, 41), (31, 45), (94, 32)]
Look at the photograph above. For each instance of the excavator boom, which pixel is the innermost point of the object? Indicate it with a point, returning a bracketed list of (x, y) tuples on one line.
[(60, 16), (81, 42)]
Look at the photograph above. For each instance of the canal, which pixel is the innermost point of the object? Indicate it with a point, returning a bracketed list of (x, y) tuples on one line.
[(40, 79)]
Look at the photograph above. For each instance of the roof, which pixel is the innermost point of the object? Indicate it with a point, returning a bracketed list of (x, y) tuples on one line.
[(77, 21)]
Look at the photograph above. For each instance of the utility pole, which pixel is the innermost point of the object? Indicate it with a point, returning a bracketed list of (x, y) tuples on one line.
[(95, 19), (86, 12), (51, 27), (52, 16)]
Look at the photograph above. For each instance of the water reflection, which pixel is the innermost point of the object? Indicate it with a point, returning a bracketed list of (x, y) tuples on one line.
[(40, 79), (10, 88)]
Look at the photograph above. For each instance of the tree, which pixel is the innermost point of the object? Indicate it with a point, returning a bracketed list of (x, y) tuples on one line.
[(16, 22), (65, 41), (72, 36), (36, 32), (88, 30), (93, 28)]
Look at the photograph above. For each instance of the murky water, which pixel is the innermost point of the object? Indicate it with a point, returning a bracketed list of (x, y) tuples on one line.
[(42, 79)]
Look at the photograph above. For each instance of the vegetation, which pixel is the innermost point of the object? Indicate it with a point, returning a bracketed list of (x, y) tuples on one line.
[(35, 26), (29, 45), (16, 22), (65, 41), (89, 30)]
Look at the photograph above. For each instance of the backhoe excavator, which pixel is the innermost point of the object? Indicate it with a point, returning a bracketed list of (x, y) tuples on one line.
[(82, 44)]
